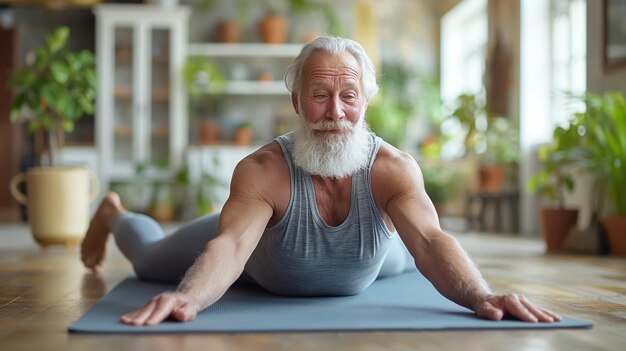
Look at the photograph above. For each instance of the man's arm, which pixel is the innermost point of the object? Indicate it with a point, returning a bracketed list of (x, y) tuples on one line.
[(242, 222), (438, 256)]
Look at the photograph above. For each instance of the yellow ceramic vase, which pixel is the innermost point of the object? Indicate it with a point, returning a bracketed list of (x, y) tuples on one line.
[(58, 202)]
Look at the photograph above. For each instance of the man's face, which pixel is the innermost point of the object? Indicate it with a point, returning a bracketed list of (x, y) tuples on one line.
[(332, 139), (331, 92)]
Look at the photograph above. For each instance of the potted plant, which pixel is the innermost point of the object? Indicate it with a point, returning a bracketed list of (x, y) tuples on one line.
[(243, 134), (602, 152), (497, 150), (52, 91), (205, 83), (229, 28), (274, 25), (492, 140), (552, 183), (55, 89)]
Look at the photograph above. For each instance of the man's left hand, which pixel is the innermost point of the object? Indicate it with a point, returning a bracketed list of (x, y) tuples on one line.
[(495, 307)]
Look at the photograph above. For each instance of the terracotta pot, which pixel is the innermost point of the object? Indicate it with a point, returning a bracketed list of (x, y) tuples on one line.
[(273, 29), (265, 76), (209, 132), (243, 136), (228, 31), (492, 178), (556, 224), (616, 232)]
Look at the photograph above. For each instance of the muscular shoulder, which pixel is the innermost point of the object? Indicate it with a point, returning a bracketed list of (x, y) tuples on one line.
[(395, 173), (261, 171), (391, 162), (267, 157)]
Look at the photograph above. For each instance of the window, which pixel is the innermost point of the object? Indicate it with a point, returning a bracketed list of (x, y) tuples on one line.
[(464, 34), (568, 56), (463, 49)]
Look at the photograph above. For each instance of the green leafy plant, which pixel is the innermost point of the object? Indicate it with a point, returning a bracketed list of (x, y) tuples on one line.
[(440, 183), (335, 26), (403, 94), (241, 6), (208, 190), (555, 180), (387, 120), (55, 89), (202, 76), (492, 139), (204, 82), (602, 146), (594, 141), (498, 143)]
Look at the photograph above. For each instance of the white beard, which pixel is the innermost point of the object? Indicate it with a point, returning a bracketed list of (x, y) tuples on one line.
[(335, 155)]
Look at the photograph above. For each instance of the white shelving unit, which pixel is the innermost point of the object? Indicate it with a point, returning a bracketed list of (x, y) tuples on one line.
[(141, 106), (263, 103)]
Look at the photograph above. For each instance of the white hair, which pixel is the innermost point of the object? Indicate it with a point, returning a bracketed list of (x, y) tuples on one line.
[(334, 46)]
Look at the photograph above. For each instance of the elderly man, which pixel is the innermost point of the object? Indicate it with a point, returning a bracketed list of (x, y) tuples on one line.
[(323, 210)]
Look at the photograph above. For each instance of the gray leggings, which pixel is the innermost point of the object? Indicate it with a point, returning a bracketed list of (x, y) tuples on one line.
[(157, 257)]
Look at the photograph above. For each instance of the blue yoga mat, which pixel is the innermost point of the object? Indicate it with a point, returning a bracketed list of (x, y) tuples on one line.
[(404, 302)]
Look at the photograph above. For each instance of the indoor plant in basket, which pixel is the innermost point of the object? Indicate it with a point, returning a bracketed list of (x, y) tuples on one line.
[(52, 91)]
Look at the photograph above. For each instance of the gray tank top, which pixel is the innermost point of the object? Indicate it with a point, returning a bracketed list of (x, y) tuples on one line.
[(303, 256)]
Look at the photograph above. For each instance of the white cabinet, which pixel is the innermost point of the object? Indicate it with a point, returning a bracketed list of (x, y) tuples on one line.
[(254, 92), (141, 107)]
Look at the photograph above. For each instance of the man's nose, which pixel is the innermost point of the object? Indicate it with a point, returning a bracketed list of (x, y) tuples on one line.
[(334, 109)]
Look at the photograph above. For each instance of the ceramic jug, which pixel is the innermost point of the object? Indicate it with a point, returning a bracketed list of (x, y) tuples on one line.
[(58, 200)]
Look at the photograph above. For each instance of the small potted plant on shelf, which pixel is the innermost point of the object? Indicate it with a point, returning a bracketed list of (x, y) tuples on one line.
[(229, 28), (274, 25), (552, 183), (52, 91), (205, 83), (243, 134)]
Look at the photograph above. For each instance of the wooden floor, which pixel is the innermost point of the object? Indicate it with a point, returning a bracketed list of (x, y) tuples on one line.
[(41, 293)]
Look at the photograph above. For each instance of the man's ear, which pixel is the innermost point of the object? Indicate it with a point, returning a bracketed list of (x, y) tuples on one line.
[(294, 102)]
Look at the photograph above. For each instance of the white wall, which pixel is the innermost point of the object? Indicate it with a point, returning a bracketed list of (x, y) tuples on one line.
[(598, 80)]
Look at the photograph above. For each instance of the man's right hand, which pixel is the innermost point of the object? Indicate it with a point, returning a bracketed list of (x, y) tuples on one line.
[(162, 306)]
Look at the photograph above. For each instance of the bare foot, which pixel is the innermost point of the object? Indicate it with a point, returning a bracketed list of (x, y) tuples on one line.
[(93, 248)]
